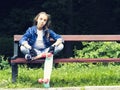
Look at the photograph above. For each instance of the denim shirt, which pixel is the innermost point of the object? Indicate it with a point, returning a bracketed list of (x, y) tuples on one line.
[(31, 35)]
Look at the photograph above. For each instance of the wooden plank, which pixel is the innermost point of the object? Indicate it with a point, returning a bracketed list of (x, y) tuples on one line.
[(93, 60), (91, 37), (17, 37), (83, 37), (23, 60), (64, 60)]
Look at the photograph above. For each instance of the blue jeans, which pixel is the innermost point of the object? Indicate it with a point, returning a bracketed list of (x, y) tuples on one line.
[(57, 49)]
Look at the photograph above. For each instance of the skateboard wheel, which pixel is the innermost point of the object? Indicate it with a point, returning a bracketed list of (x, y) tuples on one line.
[(43, 80), (46, 55), (40, 80)]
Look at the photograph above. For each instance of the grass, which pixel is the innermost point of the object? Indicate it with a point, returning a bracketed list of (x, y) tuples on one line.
[(65, 75)]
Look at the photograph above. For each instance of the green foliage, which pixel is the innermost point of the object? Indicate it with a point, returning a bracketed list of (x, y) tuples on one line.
[(75, 74), (3, 63), (99, 50)]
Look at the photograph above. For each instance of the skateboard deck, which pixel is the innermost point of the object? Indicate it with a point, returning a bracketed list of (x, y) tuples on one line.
[(47, 71)]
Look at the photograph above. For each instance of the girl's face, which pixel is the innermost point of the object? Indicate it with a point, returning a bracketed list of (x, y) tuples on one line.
[(42, 20)]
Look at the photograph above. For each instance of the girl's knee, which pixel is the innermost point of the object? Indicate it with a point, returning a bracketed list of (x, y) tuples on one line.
[(60, 47), (24, 50)]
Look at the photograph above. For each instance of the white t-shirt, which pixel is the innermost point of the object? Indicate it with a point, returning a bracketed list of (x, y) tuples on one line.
[(39, 44)]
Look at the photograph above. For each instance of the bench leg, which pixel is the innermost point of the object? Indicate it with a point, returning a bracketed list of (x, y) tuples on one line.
[(14, 71)]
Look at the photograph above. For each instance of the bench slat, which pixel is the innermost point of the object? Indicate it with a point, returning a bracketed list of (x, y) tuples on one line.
[(83, 37), (70, 60)]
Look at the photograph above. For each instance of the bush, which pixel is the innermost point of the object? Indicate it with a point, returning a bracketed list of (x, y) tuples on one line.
[(99, 50), (3, 63)]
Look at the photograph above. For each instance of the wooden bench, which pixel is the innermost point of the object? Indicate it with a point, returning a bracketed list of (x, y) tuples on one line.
[(15, 60)]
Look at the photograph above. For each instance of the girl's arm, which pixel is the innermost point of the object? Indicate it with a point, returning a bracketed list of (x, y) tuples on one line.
[(59, 41)]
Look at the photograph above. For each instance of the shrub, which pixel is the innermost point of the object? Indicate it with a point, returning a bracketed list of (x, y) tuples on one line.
[(99, 50), (3, 63)]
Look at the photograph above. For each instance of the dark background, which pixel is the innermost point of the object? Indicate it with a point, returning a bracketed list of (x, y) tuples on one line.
[(68, 16)]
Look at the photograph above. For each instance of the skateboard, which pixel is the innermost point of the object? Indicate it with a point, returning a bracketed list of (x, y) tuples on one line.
[(47, 64), (47, 71)]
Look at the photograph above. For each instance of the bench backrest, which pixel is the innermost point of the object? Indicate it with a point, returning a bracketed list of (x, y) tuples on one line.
[(83, 37)]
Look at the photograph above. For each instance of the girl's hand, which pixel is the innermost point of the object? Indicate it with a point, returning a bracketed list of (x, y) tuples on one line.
[(59, 41), (25, 44), (28, 46)]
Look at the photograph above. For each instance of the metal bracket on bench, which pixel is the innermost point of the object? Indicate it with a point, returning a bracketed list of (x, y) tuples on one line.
[(15, 51)]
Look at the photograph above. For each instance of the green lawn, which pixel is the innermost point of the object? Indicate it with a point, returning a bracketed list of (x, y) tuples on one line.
[(65, 75)]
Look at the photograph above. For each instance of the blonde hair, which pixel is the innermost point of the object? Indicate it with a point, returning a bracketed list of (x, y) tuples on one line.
[(47, 25)]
